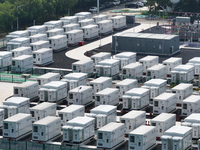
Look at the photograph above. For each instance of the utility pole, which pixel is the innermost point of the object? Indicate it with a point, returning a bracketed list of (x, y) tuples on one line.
[(17, 17), (97, 7)]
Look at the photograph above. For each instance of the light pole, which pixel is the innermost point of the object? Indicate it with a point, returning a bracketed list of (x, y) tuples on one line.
[(97, 7), (163, 13), (17, 16)]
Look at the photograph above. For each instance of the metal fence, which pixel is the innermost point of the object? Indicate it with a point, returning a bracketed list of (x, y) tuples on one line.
[(2, 42)]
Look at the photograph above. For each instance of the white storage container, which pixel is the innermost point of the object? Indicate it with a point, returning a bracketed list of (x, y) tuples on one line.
[(54, 32), (196, 63), (133, 70), (182, 74), (39, 29), (21, 51), (107, 67), (182, 91), (75, 79), (108, 96), (43, 110), (86, 22), (39, 45), (58, 42), (100, 56), (48, 77), (9, 110), (84, 66), (191, 105), (100, 84), (78, 129), (17, 125), (90, 32), (119, 22), (126, 85), (136, 98), (103, 115), (18, 42), (86, 15), (156, 86), (133, 120), (1, 117), (53, 91), (170, 63), (81, 95), (16, 34), (38, 37), (164, 103), (5, 59), (46, 128), (22, 63), (70, 27), (157, 72), (99, 18), (70, 113), (110, 135), (27, 89), (125, 58), (148, 62), (177, 137), (53, 24), (163, 122), (42, 57), (105, 27), (142, 138), (21, 103), (70, 19), (74, 36)]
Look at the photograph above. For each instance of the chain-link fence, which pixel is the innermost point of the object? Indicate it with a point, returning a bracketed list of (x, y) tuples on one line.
[(2, 42)]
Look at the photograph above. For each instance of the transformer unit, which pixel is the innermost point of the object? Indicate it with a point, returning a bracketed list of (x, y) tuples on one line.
[(9, 110), (38, 37), (119, 22), (39, 45), (84, 66), (16, 34), (1, 117), (196, 63), (39, 29), (86, 15), (58, 42), (85, 22), (133, 70), (55, 32), (74, 36), (70, 19), (21, 51), (18, 42), (5, 59), (157, 72), (99, 18), (42, 57), (100, 56), (105, 27), (71, 27), (53, 24), (90, 32)]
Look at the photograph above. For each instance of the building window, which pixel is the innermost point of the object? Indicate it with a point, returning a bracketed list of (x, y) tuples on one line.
[(61, 116), (70, 96), (35, 129), (132, 139), (156, 103), (16, 91), (98, 98), (100, 136), (5, 125), (184, 106)]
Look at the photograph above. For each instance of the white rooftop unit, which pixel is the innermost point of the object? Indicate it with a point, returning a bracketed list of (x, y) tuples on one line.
[(164, 103), (48, 77), (110, 135), (136, 98), (70, 19), (75, 79), (84, 66), (105, 27), (1, 117), (46, 128), (86, 22), (54, 32), (58, 42), (163, 122), (132, 70), (39, 45), (70, 113), (27, 89), (133, 120), (9, 110), (43, 110), (182, 73), (157, 72), (16, 34), (78, 129), (142, 138), (190, 105), (125, 58), (100, 84), (22, 63), (170, 63), (17, 125), (148, 62), (90, 32), (21, 51), (196, 63), (53, 24), (18, 42), (119, 22), (100, 56), (38, 37), (74, 36), (86, 15), (81, 95), (126, 85), (103, 115), (70, 27), (42, 57), (5, 59), (99, 18), (177, 136), (107, 67), (108, 96), (182, 91), (53, 91), (39, 29)]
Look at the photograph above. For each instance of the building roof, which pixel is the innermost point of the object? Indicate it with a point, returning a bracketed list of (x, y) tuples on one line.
[(71, 108), (183, 68), (83, 62), (156, 67), (178, 130), (165, 96), (101, 54), (55, 30), (107, 91), (141, 130), (101, 79), (172, 60), (46, 120), (108, 62), (80, 120), (16, 100), (163, 117), (90, 26), (74, 31), (192, 99), (80, 89), (104, 108), (48, 75), (75, 76), (132, 65), (133, 114), (110, 127), (155, 82), (126, 82), (26, 84), (39, 43), (182, 86), (43, 106), (20, 49), (137, 91), (18, 117), (195, 60), (148, 58)]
